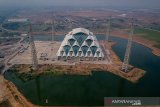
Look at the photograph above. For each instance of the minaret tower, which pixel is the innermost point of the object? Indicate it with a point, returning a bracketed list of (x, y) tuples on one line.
[(128, 50), (33, 49)]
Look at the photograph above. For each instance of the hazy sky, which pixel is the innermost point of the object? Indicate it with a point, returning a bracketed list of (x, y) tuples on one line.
[(121, 3)]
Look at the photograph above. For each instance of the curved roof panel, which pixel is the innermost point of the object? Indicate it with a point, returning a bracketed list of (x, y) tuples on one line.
[(84, 44)]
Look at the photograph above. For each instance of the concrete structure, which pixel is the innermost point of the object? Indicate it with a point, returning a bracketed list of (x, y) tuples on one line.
[(80, 44)]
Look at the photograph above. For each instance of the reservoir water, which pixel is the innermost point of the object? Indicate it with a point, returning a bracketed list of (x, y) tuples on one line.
[(91, 90)]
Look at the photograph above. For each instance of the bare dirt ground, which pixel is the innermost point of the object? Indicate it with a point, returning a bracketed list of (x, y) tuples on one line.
[(96, 14), (45, 47), (11, 97)]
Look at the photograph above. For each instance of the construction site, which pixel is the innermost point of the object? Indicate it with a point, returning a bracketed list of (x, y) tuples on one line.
[(49, 52), (79, 46), (79, 53)]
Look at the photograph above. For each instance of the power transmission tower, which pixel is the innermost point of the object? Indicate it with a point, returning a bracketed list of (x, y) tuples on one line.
[(70, 23), (33, 49), (128, 50), (108, 30), (106, 43), (53, 31), (52, 38)]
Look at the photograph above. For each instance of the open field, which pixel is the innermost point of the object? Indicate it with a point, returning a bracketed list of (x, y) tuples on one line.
[(149, 34)]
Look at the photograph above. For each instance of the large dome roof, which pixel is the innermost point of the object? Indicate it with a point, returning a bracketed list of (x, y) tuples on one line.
[(82, 30), (80, 42)]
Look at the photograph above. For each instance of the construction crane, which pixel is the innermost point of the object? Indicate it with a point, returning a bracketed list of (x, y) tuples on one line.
[(33, 49), (128, 50)]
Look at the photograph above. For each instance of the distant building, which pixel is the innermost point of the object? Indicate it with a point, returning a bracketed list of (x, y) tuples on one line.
[(122, 15), (18, 20), (80, 43), (24, 34)]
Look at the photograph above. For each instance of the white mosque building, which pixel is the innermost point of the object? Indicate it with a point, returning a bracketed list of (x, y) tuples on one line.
[(80, 43)]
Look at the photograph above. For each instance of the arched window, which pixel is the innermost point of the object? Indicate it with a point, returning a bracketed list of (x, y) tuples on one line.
[(75, 49), (71, 41), (67, 48), (89, 42), (84, 49), (80, 37), (93, 49)]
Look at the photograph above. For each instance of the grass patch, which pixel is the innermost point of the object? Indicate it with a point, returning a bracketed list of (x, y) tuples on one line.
[(54, 72), (149, 34), (157, 45)]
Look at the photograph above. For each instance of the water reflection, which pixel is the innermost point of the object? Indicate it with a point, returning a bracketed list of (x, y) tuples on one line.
[(37, 83), (121, 88)]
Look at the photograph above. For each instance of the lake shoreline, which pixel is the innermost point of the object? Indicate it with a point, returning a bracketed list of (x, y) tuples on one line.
[(147, 43), (85, 68), (117, 76)]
